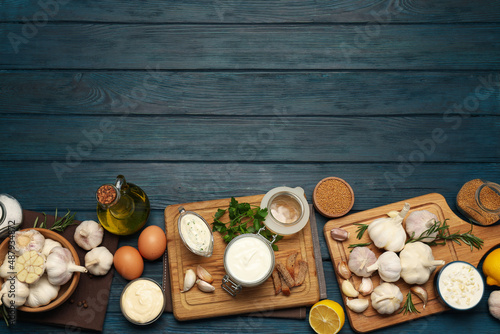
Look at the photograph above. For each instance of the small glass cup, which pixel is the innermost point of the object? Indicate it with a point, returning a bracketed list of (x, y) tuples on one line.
[(161, 295)]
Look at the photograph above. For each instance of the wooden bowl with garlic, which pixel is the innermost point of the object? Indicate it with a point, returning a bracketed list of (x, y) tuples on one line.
[(46, 268)]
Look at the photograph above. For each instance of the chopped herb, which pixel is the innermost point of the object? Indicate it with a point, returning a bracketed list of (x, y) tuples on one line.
[(243, 218), (361, 230), (408, 306), (59, 224), (352, 246), (444, 235)]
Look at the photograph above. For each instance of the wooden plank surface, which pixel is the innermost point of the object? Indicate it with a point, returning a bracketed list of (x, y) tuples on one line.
[(260, 11), (296, 93), (199, 305), (370, 320), (121, 46)]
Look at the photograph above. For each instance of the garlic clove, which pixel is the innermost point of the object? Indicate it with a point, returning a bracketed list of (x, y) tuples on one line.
[(343, 270), (189, 280), (349, 290), (204, 286), (203, 274), (357, 305), (339, 234), (366, 286), (420, 293)]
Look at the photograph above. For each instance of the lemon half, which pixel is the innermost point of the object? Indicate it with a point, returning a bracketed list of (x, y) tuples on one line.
[(491, 268), (326, 317)]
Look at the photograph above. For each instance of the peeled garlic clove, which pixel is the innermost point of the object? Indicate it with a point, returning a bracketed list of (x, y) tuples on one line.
[(366, 286), (203, 274), (420, 293), (204, 286), (357, 305), (343, 270), (349, 290), (339, 234), (189, 280)]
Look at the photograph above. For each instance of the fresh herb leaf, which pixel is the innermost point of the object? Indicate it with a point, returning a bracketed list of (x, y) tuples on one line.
[(361, 230), (443, 234), (59, 224), (5, 314), (408, 306), (352, 246), (243, 218)]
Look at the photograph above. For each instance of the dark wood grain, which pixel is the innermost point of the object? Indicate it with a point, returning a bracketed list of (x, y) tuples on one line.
[(324, 93), (260, 11), (235, 47)]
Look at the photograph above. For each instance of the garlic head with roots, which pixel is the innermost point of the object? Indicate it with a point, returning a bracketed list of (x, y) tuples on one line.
[(359, 261), (89, 234), (98, 261), (420, 221)]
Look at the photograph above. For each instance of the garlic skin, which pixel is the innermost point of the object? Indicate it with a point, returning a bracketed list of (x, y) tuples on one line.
[(339, 234), (204, 286), (60, 266), (494, 304), (98, 261), (89, 234), (343, 270), (348, 289), (189, 280), (418, 222), (388, 266), (417, 263), (386, 298), (360, 259), (366, 286), (388, 233), (49, 245), (42, 293), (420, 293), (357, 305), (22, 292), (25, 241)]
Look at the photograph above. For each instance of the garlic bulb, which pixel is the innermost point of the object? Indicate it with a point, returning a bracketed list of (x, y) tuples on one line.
[(189, 280), (98, 261), (49, 245), (388, 233), (42, 293), (359, 261), (30, 267), (494, 304), (357, 305), (386, 298), (417, 263), (30, 240), (60, 266), (18, 298), (388, 266), (89, 234), (366, 286), (420, 221)]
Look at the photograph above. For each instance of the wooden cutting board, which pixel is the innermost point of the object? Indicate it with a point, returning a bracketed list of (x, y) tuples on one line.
[(197, 305), (370, 320)]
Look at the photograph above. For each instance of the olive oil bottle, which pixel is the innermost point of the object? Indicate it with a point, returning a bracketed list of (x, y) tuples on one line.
[(122, 208)]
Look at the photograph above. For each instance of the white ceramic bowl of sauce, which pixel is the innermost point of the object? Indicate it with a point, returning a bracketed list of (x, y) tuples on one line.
[(248, 262), (142, 301), (195, 233), (459, 285)]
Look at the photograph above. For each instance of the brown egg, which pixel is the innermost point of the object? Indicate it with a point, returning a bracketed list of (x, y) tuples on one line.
[(152, 242), (128, 262)]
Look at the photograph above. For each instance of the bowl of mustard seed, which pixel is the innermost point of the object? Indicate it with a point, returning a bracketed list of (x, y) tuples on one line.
[(333, 197)]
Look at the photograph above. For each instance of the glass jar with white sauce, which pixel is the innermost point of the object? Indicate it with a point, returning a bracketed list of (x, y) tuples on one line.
[(11, 215), (248, 262), (195, 233), (142, 301)]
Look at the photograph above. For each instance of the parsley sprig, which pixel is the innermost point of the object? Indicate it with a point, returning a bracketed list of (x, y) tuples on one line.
[(243, 218), (443, 234)]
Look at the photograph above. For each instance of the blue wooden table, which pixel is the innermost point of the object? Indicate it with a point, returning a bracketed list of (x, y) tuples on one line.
[(199, 100)]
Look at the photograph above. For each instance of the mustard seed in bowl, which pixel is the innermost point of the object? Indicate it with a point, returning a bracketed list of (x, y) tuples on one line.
[(333, 197)]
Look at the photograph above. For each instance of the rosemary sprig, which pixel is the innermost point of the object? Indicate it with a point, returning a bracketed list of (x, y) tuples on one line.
[(59, 224), (408, 306), (361, 230), (5, 314), (352, 246), (443, 234)]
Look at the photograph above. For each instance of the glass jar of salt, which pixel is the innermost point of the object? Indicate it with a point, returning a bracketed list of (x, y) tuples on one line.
[(11, 214)]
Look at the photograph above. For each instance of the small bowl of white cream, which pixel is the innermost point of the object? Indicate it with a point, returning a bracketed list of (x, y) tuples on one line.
[(142, 301), (459, 285), (248, 262), (195, 233)]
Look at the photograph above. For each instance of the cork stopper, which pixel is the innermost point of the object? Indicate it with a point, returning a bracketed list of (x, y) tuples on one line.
[(106, 194)]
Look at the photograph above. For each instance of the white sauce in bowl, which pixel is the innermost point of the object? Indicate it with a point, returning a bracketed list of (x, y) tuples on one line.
[(460, 285), (142, 301), (249, 259), (196, 233)]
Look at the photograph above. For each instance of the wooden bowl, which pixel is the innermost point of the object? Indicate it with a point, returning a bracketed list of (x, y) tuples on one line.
[(67, 289), (348, 196)]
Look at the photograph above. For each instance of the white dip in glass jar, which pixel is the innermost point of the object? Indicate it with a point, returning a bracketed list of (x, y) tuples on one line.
[(142, 301)]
